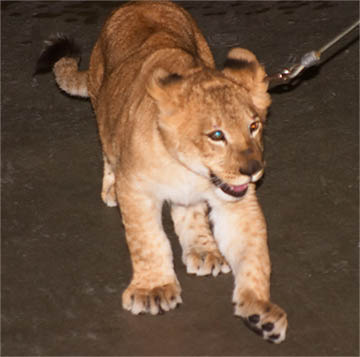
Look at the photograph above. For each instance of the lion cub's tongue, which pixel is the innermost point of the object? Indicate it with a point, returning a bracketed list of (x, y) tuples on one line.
[(239, 188)]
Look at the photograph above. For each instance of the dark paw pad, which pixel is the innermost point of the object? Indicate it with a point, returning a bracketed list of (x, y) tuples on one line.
[(254, 319), (253, 328), (274, 336), (268, 326)]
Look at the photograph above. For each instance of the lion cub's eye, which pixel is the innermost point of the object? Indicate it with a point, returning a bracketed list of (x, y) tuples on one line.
[(254, 126), (217, 135)]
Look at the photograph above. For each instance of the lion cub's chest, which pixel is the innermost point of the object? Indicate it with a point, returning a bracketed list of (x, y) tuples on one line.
[(182, 189)]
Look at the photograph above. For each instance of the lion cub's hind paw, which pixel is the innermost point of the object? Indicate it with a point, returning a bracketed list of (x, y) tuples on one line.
[(109, 197), (153, 301), (206, 263), (264, 318), (110, 202)]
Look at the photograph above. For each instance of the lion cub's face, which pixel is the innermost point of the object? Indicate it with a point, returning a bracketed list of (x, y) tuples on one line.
[(212, 121)]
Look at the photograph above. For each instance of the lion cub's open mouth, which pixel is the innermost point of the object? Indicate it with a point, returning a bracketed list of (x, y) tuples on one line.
[(232, 190)]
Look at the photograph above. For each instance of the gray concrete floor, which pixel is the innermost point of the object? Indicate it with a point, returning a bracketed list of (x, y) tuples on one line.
[(64, 257)]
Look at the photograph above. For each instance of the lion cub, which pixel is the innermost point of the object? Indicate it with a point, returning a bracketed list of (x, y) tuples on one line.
[(173, 128)]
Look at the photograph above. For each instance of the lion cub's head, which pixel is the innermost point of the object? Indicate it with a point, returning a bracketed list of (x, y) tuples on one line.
[(212, 121)]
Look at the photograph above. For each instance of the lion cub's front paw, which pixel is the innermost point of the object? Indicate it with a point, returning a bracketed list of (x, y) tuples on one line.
[(263, 317), (154, 301), (205, 263)]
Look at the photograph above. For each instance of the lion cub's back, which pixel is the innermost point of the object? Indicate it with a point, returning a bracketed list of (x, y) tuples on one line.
[(128, 28)]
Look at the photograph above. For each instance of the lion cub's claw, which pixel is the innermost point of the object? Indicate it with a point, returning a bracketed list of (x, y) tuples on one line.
[(153, 301), (206, 263), (264, 318)]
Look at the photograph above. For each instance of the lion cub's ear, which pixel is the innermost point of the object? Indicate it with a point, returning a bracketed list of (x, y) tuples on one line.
[(243, 67), (163, 86)]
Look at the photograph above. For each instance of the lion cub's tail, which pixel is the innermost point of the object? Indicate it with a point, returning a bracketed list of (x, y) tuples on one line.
[(62, 55)]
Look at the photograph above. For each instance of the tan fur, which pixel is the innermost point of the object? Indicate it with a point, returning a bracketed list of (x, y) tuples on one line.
[(69, 78), (200, 252), (156, 132)]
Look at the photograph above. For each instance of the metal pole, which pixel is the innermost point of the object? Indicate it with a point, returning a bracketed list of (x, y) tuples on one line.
[(309, 59), (338, 37)]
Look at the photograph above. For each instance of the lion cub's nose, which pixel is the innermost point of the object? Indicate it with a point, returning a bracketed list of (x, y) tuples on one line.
[(252, 167)]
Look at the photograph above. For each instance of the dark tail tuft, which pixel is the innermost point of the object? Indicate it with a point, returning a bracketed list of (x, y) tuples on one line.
[(56, 47)]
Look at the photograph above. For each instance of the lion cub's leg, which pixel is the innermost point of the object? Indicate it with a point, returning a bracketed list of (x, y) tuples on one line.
[(154, 287), (240, 230), (200, 252), (108, 186)]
